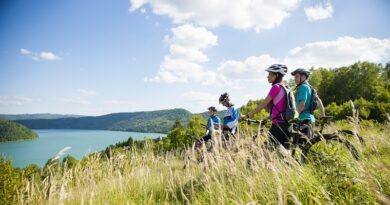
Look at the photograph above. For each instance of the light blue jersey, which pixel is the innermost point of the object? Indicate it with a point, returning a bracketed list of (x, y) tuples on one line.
[(213, 123), (231, 118), (304, 94)]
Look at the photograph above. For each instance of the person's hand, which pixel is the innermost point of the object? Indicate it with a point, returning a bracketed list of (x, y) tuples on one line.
[(244, 117)]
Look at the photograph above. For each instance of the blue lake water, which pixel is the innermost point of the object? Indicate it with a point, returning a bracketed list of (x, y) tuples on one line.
[(50, 142)]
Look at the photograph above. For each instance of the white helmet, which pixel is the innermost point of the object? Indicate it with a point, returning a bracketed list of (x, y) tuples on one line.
[(277, 68)]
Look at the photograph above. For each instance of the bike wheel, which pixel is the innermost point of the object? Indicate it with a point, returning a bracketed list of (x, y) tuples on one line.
[(331, 138)]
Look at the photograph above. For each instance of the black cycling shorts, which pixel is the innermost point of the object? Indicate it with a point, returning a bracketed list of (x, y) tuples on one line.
[(280, 132)]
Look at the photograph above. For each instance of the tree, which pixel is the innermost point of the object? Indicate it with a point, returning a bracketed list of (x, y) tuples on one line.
[(9, 181)]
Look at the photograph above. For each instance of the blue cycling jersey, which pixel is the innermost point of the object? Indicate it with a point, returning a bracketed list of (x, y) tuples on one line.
[(231, 118), (304, 94), (213, 121)]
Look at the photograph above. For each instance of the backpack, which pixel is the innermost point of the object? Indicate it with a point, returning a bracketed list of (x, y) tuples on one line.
[(291, 111), (313, 101)]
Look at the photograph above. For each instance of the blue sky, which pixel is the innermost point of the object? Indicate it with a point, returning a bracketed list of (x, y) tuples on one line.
[(97, 57)]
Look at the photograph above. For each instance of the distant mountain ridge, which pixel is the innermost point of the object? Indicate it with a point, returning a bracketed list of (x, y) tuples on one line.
[(37, 116), (159, 121)]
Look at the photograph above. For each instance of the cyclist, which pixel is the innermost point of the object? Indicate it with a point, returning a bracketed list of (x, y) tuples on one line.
[(230, 120), (213, 124), (304, 97), (276, 102)]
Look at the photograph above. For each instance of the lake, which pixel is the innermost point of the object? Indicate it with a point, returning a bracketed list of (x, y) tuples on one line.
[(50, 142)]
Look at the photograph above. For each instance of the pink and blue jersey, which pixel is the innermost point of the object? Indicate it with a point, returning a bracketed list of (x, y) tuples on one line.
[(278, 96)]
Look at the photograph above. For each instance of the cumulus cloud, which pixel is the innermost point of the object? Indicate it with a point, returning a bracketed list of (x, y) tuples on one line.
[(232, 73), (48, 56), (78, 101), (24, 51), (119, 102), (340, 52), (203, 99), (251, 68), (244, 14), (87, 93), (319, 12), (186, 52), (14, 100)]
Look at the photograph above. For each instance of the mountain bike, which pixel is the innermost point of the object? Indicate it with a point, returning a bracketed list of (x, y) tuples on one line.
[(301, 143)]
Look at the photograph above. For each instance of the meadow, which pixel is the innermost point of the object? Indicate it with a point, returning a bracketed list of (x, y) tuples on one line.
[(245, 173)]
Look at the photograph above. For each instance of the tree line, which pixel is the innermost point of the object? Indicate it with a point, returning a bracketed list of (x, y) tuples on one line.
[(366, 84)]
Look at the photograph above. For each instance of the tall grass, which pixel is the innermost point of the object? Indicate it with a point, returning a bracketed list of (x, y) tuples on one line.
[(242, 174)]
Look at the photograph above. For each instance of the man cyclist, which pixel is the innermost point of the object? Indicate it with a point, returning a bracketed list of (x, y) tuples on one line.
[(213, 124), (303, 99), (230, 120)]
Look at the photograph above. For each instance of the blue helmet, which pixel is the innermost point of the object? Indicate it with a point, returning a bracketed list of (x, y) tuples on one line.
[(223, 97), (301, 71), (212, 108)]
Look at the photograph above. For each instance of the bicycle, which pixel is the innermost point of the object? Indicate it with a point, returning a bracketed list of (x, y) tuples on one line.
[(301, 145)]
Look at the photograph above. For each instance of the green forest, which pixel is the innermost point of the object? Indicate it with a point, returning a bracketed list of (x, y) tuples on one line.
[(12, 131), (154, 121), (169, 170)]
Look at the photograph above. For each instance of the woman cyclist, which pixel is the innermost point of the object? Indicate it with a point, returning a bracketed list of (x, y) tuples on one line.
[(276, 102)]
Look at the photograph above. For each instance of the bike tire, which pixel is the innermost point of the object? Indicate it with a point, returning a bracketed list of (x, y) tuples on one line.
[(332, 138)]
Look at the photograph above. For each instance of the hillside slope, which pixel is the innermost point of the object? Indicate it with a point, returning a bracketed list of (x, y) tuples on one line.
[(12, 131), (154, 121)]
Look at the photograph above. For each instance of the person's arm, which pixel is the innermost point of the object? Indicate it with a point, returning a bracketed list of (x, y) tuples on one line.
[(260, 107), (302, 95), (301, 107)]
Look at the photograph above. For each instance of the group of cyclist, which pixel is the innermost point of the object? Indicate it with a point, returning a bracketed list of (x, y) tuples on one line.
[(275, 102)]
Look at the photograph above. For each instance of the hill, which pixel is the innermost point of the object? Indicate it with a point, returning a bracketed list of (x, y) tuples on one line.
[(37, 116), (154, 121), (12, 131)]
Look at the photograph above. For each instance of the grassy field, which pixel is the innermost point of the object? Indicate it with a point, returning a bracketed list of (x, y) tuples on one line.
[(244, 174)]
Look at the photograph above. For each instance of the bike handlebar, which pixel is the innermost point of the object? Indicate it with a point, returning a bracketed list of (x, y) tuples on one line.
[(326, 117), (249, 121)]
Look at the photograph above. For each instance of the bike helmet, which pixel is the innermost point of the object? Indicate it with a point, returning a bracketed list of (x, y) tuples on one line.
[(277, 68), (223, 97), (212, 108), (301, 71)]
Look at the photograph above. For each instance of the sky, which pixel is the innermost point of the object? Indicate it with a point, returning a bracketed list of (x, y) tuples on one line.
[(95, 57)]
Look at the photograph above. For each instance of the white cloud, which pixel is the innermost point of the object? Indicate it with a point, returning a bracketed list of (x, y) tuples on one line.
[(14, 100), (237, 74), (319, 12), (79, 101), (340, 52), (24, 51), (186, 47), (119, 102), (87, 93), (252, 68), (243, 14), (203, 99), (49, 56)]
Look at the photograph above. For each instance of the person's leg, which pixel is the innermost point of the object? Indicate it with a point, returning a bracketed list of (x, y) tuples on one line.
[(308, 130), (273, 142), (206, 138), (285, 135), (280, 134)]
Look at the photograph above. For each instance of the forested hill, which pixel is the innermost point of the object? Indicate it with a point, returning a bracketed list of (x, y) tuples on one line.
[(159, 121), (11, 131), (37, 116)]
